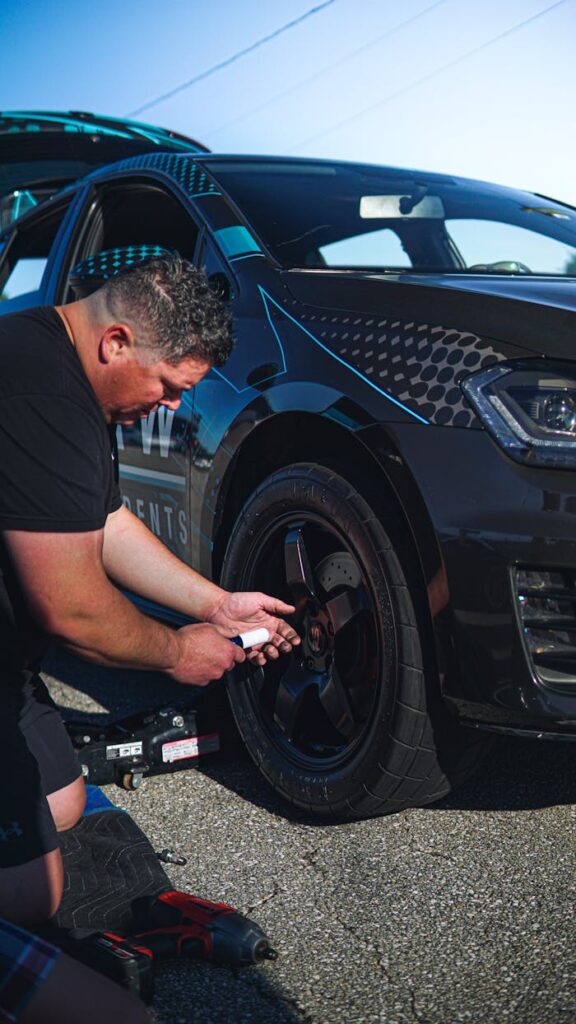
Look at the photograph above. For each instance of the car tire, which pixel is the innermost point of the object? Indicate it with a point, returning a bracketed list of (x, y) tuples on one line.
[(349, 725)]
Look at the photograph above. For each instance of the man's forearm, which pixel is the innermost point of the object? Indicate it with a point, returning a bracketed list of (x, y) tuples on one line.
[(136, 560), (110, 631), (72, 597)]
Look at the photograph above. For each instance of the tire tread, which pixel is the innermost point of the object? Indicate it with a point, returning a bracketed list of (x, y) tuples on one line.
[(425, 755)]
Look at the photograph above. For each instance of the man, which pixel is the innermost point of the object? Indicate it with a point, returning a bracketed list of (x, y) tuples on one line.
[(68, 547)]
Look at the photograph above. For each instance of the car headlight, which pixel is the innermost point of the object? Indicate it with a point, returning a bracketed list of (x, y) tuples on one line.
[(529, 408)]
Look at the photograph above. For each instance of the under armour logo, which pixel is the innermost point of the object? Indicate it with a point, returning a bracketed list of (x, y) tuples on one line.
[(12, 832)]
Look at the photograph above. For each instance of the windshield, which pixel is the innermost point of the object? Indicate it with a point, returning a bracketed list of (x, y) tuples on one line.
[(353, 216)]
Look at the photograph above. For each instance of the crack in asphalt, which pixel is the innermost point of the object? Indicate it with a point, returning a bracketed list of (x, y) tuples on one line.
[(415, 1013), (310, 857), (277, 996), (265, 899), (435, 853)]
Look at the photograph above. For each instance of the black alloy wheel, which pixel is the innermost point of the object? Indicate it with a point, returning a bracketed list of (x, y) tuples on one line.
[(341, 727)]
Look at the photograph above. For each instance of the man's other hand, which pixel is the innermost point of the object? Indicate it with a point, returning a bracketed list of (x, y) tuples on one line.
[(241, 612), (205, 655)]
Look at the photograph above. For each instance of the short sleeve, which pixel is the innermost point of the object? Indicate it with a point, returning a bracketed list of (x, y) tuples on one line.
[(115, 497), (56, 466)]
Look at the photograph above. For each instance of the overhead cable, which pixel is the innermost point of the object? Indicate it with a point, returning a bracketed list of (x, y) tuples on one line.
[(425, 78), (323, 71), (229, 60)]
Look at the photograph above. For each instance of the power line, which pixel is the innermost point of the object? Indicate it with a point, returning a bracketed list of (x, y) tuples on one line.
[(425, 78), (323, 71), (230, 60)]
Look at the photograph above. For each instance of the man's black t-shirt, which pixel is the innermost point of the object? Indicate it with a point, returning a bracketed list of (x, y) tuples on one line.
[(57, 458)]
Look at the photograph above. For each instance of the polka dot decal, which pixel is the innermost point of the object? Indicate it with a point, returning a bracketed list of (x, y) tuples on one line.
[(421, 365), (110, 261), (182, 168), (103, 265)]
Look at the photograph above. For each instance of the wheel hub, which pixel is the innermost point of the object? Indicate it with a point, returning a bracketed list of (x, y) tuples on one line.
[(317, 639)]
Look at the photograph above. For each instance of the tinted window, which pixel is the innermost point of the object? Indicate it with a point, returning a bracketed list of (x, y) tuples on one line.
[(26, 254), (317, 214), (133, 213)]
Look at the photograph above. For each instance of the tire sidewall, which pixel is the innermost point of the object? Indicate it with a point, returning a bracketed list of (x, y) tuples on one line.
[(306, 488)]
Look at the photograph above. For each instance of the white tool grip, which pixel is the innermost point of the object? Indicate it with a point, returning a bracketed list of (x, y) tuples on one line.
[(250, 639)]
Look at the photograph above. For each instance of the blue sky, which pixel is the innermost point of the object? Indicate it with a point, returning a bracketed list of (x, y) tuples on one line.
[(420, 84)]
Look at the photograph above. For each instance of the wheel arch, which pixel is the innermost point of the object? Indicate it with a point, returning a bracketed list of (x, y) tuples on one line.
[(377, 472)]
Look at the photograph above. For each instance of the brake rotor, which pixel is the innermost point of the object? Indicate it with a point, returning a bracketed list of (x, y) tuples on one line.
[(338, 570)]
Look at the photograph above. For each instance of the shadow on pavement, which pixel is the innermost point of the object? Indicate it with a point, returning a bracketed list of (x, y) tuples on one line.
[(194, 993), (518, 775)]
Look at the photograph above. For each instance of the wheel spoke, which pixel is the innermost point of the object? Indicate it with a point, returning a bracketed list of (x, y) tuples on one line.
[(289, 697), (298, 571), (335, 702), (343, 608)]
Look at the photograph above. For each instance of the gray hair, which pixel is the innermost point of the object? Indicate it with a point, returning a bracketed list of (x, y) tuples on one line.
[(172, 310)]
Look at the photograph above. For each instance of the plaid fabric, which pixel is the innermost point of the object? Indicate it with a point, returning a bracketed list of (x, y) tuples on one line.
[(25, 962)]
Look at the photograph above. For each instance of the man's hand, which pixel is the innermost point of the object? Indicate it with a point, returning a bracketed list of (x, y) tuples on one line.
[(206, 655), (241, 612)]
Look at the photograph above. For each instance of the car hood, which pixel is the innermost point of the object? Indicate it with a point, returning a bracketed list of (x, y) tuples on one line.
[(533, 315)]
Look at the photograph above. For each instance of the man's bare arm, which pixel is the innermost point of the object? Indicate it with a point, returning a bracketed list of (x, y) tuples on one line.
[(137, 560), (71, 597)]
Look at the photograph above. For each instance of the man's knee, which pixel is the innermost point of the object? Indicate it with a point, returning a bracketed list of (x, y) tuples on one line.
[(67, 804), (30, 893)]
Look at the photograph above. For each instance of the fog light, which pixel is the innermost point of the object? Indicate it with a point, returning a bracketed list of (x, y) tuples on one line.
[(547, 614)]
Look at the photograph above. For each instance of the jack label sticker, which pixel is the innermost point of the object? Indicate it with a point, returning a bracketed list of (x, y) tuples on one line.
[(179, 750), (123, 750)]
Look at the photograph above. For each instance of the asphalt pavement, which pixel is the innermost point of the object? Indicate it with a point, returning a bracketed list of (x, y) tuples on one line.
[(460, 912)]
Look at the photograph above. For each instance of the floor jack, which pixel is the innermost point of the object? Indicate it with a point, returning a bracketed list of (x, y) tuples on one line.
[(154, 742), (149, 743)]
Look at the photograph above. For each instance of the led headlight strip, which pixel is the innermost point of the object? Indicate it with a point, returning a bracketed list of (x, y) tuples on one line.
[(529, 408)]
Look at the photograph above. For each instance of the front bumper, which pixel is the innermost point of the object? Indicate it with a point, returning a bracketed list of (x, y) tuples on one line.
[(498, 525)]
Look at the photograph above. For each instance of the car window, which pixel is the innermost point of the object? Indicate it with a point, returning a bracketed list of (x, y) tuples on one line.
[(319, 214), (486, 243), (25, 256), (370, 250), (25, 276), (133, 213)]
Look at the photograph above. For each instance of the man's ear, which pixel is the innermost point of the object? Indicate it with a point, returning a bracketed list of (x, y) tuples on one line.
[(115, 342)]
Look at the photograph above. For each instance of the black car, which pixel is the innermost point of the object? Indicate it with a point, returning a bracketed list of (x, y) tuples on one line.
[(391, 447)]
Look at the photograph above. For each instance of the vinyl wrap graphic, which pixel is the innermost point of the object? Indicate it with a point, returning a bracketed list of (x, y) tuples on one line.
[(421, 365), (181, 168), (105, 264)]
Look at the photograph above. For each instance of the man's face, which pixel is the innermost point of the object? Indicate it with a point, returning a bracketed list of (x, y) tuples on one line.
[(139, 384)]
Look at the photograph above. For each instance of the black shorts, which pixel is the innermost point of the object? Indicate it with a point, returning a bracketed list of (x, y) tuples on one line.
[(36, 759)]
